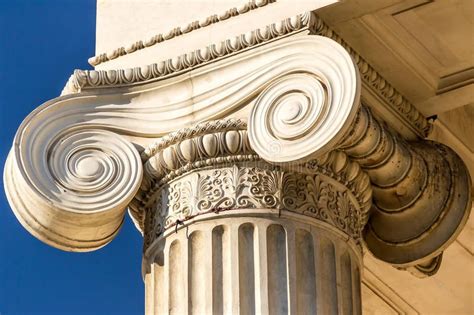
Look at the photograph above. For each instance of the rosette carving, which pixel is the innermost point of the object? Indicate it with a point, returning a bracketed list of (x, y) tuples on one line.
[(307, 111)]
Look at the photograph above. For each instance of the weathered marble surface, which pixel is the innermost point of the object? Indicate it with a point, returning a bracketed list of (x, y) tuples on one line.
[(259, 135)]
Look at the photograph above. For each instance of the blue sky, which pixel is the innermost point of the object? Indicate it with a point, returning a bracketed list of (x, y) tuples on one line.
[(41, 43)]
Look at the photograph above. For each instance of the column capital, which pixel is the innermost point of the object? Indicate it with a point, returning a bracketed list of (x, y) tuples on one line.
[(79, 160)]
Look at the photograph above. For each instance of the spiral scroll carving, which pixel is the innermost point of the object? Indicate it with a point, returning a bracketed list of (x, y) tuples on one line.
[(301, 115), (92, 169), (77, 181), (72, 194), (420, 190)]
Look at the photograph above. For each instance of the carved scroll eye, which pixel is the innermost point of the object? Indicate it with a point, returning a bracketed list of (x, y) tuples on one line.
[(304, 113), (297, 105), (70, 187)]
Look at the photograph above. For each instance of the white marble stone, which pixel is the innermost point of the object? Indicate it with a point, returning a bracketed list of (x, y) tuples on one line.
[(255, 155), (253, 262)]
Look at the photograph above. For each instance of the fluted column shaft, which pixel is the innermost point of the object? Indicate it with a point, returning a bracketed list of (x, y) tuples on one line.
[(253, 262)]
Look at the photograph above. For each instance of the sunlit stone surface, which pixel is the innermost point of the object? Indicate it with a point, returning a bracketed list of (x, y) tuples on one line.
[(273, 154)]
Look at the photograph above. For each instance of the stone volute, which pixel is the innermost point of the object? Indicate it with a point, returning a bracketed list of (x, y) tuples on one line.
[(253, 169)]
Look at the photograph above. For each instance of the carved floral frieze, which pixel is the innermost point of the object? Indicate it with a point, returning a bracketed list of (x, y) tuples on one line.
[(254, 185)]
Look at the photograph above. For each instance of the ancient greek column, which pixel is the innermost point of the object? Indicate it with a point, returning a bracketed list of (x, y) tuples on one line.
[(253, 168)]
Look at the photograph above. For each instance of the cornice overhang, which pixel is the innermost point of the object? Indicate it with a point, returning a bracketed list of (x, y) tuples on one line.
[(77, 160)]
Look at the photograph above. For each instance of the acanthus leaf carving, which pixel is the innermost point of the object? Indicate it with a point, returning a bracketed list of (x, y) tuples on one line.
[(260, 186)]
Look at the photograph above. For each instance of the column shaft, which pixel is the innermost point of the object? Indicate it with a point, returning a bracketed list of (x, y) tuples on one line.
[(255, 262)]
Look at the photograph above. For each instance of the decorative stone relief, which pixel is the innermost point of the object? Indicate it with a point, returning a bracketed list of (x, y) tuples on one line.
[(77, 161), (80, 187), (421, 190), (413, 183), (255, 187), (211, 168), (90, 79), (71, 190), (303, 113)]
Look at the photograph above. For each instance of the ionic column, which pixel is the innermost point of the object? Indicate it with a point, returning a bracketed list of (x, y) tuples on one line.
[(264, 205), (226, 232)]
